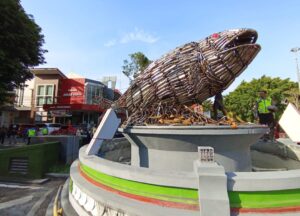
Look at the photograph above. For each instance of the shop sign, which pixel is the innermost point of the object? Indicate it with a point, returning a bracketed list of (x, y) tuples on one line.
[(72, 92), (60, 113)]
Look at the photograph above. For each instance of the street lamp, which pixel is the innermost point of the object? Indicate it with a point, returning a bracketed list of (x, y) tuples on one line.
[(295, 50)]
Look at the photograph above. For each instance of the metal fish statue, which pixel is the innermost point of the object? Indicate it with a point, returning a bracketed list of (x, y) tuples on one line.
[(193, 72)]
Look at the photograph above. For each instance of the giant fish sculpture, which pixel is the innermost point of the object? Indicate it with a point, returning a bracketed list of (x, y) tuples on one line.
[(193, 72)]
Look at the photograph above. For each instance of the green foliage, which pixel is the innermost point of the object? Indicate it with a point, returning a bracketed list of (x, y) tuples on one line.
[(207, 105), (20, 46), (40, 158), (60, 168), (293, 96), (137, 64), (242, 100), (71, 185)]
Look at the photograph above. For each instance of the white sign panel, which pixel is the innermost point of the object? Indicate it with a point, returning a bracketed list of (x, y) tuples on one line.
[(290, 122), (106, 130)]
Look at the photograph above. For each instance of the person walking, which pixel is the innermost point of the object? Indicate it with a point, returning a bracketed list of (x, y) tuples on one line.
[(12, 132), (31, 132), (45, 131), (218, 105), (2, 134), (265, 109)]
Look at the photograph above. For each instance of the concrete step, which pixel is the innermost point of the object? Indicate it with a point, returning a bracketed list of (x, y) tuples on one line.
[(18, 165)]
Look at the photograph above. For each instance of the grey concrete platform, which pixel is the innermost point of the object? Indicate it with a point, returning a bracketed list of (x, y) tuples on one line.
[(282, 154), (252, 182), (176, 147)]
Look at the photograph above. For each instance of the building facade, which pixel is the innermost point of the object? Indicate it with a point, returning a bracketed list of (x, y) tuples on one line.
[(47, 84), (17, 108), (53, 97), (80, 101)]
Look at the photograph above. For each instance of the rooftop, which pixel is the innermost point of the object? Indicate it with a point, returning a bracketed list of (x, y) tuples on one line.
[(48, 71)]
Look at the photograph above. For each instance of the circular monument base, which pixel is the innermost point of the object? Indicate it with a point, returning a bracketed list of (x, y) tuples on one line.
[(176, 147)]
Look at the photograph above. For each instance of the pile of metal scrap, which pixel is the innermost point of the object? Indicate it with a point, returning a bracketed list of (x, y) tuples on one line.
[(172, 114), (190, 74)]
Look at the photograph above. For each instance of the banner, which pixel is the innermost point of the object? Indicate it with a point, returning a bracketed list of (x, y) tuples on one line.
[(60, 113)]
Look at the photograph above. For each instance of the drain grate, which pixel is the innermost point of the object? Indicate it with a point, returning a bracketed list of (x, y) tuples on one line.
[(18, 165)]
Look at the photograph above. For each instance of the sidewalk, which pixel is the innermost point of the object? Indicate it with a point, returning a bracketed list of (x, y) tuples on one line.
[(27, 199), (20, 142)]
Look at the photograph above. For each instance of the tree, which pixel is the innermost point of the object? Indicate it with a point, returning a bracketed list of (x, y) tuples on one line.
[(20, 46), (207, 105), (293, 96), (241, 101), (137, 64)]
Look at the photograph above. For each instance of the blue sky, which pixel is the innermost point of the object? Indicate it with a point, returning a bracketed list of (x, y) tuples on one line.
[(93, 37)]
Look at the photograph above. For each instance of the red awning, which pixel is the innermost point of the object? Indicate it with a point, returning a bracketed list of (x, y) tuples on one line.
[(74, 107)]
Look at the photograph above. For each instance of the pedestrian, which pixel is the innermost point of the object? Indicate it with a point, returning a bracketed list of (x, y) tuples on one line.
[(12, 131), (2, 134), (218, 105), (88, 136), (78, 132), (31, 132), (94, 129), (45, 131), (264, 111), (24, 134)]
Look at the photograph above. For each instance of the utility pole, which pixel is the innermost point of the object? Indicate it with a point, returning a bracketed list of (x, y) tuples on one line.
[(295, 50)]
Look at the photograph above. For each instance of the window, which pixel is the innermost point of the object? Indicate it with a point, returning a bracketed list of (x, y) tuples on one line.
[(44, 94), (41, 90), (38, 117), (48, 100), (49, 90), (40, 101), (94, 93)]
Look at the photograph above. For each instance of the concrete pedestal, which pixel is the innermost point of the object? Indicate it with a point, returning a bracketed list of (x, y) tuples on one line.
[(175, 147), (213, 195), (207, 190)]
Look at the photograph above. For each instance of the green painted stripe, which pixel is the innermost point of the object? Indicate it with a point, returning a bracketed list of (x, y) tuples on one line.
[(174, 194), (265, 199), (71, 185), (238, 199)]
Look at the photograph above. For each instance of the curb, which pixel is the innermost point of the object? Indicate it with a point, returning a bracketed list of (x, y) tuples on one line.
[(57, 175), (24, 181)]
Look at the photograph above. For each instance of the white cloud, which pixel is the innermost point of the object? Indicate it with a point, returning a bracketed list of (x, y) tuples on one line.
[(110, 43), (136, 35)]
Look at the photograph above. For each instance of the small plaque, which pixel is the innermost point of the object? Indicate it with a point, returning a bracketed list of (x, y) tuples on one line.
[(206, 154)]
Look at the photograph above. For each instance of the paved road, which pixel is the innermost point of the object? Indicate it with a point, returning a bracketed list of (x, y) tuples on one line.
[(25, 199)]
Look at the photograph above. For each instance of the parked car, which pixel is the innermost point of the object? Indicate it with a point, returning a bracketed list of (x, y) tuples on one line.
[(65, 130), (50, 126)]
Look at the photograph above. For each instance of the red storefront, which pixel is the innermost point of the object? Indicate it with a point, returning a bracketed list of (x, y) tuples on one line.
[(72, 91), (80, 101)]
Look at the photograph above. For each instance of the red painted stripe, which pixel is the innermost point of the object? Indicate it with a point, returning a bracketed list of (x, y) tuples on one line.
[(267, 210), (140, 198)]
